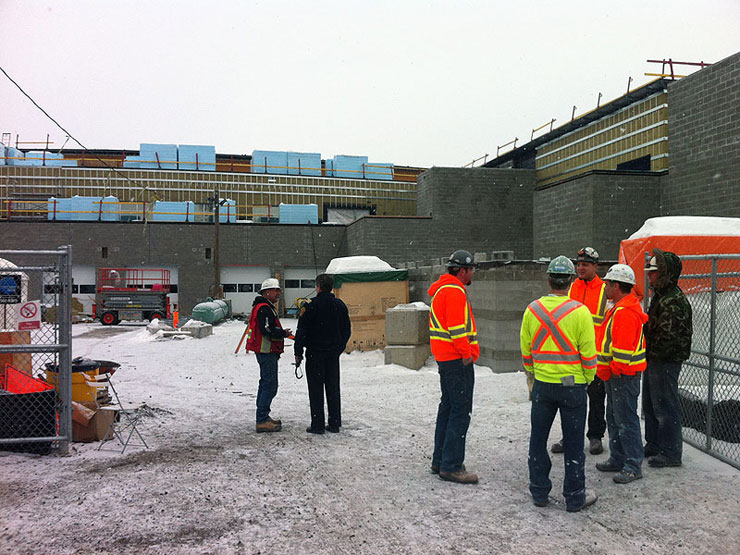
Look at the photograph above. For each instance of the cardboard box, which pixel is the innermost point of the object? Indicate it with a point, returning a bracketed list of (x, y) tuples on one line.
[(368, 334), (20, 361), (367, 303), (372, 298), (92, 424)]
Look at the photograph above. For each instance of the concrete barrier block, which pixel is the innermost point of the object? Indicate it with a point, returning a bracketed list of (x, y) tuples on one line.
[(407, 324), (409, 356)]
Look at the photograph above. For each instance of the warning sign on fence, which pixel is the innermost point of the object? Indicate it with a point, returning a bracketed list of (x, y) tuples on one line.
[(29, 315)]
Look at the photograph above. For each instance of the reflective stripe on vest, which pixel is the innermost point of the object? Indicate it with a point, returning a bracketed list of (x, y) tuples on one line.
[(601, 311), (566, 353), (438, 333), (607, 352)]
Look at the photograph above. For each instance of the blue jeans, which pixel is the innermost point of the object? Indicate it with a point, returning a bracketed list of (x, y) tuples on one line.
[(662, 409), (453, 414), (571, 401), (625, 441), (268, 385)]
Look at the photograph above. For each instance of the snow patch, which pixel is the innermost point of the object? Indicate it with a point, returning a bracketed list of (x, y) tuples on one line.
[(357, 264), (688, 225)]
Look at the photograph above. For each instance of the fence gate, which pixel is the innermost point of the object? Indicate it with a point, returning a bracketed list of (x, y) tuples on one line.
[(36, 350), (709, 383)]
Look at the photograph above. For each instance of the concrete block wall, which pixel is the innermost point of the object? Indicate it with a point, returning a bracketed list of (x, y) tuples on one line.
[(183, 246), (395, 239), (478, 209), (704, 142), (597, 209)]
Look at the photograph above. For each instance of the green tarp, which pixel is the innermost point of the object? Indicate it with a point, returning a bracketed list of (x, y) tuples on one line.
[(361, 277)]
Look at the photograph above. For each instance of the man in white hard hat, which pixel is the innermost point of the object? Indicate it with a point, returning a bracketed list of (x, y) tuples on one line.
[(558, 347), (621, 362), (267, 340)]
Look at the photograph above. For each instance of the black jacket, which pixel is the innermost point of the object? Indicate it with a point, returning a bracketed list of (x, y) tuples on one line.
[(266, 319), (324, 327), (669, 328)]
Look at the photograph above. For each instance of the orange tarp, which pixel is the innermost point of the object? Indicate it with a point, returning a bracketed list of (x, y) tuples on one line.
[(632, 252)]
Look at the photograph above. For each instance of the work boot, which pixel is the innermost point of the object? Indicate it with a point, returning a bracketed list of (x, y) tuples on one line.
[(267, 426), (651, 450), (460, 477), (435, 469), (590, 499), (275, 421), (660, 461), (311, 430), (595, 447), (557, 447), (608, 466), (626, 476)]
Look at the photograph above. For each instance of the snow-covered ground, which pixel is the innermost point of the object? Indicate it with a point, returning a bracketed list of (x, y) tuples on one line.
[(209, 484)]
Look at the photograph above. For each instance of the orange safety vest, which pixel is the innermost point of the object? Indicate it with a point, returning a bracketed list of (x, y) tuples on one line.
[(457, 339), (593, 295)]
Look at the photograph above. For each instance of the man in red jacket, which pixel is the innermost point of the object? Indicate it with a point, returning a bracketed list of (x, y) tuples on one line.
[(266, 339), (620, 348), (455, 347), (588, 289)]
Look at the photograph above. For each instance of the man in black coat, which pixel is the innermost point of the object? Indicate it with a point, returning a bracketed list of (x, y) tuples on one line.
[(323, 331)]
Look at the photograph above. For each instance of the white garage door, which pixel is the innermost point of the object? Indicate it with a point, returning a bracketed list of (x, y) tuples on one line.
[(299, 282), (242, 284)]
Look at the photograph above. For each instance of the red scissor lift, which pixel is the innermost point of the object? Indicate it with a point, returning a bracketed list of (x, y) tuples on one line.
[(132, 294)]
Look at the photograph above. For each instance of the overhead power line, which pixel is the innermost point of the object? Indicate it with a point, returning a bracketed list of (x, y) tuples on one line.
[(104, 162)]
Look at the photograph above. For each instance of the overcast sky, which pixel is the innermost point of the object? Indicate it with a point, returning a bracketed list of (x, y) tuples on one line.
[(411, 82)]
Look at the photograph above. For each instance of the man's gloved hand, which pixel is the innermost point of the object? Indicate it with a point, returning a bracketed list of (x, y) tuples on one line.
[(298, 360)]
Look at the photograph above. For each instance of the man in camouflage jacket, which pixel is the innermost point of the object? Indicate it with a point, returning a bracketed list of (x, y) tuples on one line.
[(668, 343)]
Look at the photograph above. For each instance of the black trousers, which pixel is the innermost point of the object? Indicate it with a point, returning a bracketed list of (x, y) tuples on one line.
[(322, 374), (596, 409)]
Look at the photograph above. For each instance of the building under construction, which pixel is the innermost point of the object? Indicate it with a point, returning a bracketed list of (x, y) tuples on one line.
[(669, 147)]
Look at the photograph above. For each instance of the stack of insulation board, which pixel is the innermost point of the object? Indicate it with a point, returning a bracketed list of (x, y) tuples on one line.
[(41, 158), (78, 208), (347, 166), (197, 157), (269, 161), (154, 156), (304, 163), (168, 211), (299, 213)]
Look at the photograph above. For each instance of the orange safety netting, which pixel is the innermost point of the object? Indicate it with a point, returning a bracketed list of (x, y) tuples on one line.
[(632, 252)]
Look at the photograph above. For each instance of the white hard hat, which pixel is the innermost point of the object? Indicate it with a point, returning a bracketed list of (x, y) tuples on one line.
[(270, 283), (652, 264), (622, 273)]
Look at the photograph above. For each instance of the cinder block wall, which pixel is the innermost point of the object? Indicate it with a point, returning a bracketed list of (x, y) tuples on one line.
[(598, 209), (478, 209), (704, 142), (184, 246), (394, 239)]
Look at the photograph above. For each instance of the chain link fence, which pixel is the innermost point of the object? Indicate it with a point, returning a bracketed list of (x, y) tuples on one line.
[(709, 383), (35, 351)]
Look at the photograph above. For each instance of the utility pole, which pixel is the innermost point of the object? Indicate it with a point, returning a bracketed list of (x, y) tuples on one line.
[(216, 289)]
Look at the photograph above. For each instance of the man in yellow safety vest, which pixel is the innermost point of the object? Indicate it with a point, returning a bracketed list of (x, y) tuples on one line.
[(559, 347)]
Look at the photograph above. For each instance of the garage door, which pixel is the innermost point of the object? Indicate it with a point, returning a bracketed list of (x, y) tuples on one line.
[(242, 284), (299, 282)]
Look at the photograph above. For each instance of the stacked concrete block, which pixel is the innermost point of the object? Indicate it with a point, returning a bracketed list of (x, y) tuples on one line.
[(407, 335)]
